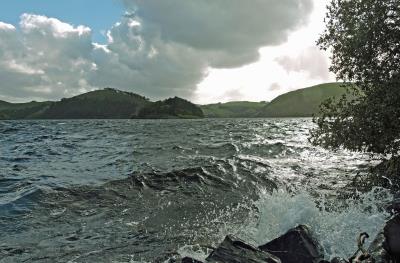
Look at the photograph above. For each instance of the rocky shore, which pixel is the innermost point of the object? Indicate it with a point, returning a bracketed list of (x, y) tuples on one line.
[(299, 245)]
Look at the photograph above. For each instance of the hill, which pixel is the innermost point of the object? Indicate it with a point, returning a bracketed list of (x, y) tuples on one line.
[(170, 109), (4, 104), (29, 110), (100, 104), (234, 109), (302, 102), (114, 104)]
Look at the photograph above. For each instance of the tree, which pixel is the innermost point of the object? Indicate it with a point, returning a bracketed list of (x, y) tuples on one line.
[(364, 39)]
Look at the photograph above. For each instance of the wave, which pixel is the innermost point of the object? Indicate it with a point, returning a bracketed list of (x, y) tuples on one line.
[(21, 202), (336, 224)]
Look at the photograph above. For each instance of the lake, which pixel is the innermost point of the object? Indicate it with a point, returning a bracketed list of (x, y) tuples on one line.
[(152, 190)]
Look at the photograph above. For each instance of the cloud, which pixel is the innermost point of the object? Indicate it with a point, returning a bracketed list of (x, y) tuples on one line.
[(229, 32), (274, 87), (312, 61), (232, 95), (5, 27), (160, 48), (44, 59), (151, 67)]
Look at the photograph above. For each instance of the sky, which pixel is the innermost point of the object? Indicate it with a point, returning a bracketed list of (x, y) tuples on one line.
[(203, 50), (98, 15)]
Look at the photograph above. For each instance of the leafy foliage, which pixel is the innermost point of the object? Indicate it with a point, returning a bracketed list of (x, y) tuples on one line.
[(364, 37)]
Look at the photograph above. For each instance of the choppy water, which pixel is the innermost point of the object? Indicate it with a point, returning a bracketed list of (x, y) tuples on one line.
[(150, 190)]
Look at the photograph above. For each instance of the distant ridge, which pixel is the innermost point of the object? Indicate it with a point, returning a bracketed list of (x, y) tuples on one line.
[(99, 104), (115, 104), (303, 102), (233, 109), (4, 103), (171, 108), (28, 110)]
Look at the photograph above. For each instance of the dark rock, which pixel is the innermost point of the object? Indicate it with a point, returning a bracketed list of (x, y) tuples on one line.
[(296, 246), (190, 260), (233, 250), (377, 250), (339, 260), (394, 207), (392, 235)]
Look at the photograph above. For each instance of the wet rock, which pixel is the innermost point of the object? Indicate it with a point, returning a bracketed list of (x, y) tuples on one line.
[(233, 250), (377, 250), (296, 246), (385, 248), (392, 236), (394, 207)]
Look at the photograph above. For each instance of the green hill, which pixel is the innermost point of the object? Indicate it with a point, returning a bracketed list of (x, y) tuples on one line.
[(100, 104), (114, 104), (302, 102), (4, 104), (170, 109), (234, 109), (29, 110)]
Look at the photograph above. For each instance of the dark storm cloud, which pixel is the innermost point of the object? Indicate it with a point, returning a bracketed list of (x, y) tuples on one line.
[(229, 31)]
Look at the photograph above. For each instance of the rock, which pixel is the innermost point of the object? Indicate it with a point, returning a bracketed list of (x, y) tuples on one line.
[(386, 246), (392, 235), (296, 246), (233, 250), (377, 250), (394, 207)]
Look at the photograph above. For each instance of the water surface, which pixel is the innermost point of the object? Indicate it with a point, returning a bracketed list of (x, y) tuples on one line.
[(152, 190)]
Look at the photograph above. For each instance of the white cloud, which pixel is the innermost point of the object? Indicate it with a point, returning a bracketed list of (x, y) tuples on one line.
[(42, 54), (311, 61), (5, 26), (45, 25), (274, 87)]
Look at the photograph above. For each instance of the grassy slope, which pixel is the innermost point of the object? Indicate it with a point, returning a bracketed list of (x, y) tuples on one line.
[(234, 109), (109, 103), (106, 103), (303, 102), (4, 104), (22, 110)]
